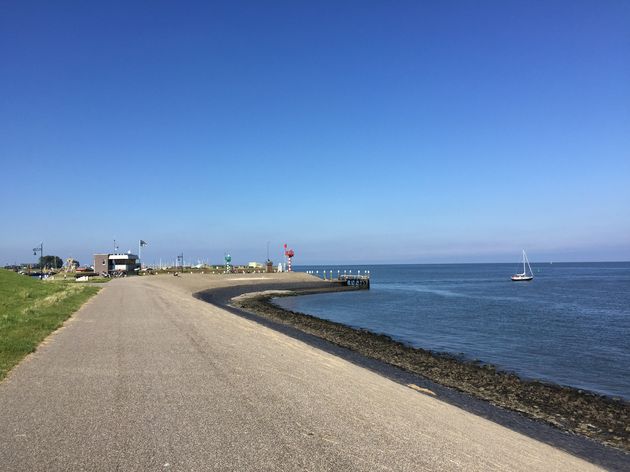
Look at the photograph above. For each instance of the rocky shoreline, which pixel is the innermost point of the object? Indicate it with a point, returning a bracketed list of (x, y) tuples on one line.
[(598, 417)]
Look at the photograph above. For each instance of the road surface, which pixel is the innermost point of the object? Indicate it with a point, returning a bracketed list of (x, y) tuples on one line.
[(146, 377)]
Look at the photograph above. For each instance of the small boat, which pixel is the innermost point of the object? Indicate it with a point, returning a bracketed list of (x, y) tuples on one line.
[(524, 276)]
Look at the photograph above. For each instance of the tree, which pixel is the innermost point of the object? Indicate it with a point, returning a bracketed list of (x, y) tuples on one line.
[(52, 262)]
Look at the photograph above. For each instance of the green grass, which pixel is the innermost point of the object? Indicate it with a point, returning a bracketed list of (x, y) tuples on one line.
[(30, 310), (71, 280), (99, 280)]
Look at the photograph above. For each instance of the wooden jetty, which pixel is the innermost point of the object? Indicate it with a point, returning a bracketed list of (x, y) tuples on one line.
[(355, 280)]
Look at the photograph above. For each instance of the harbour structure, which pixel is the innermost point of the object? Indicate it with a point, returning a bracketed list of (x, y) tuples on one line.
[(348, 279), (357, 280)]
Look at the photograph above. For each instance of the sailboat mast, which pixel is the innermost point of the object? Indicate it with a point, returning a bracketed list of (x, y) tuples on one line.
[(524, 272)]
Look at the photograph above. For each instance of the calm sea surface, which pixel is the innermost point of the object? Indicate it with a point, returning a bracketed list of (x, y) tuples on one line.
[(570, 325)]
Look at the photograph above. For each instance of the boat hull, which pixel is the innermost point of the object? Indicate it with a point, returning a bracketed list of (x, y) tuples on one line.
[(521, 278)]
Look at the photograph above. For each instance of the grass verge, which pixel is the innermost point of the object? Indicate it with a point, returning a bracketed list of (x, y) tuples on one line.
[(30, 310)]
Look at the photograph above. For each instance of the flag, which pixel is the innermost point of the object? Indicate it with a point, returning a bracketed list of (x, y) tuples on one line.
[(143, 243)]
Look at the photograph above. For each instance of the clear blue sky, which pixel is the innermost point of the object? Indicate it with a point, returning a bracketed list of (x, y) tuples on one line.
[(355, 131)]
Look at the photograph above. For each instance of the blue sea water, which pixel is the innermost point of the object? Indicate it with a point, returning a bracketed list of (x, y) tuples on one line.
[(570, 325)]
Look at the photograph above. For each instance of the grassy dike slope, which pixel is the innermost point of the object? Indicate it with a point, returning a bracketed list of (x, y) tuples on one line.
[(30, 310)]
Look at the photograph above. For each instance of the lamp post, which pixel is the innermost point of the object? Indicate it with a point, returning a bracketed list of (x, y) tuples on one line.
[(39, 249)]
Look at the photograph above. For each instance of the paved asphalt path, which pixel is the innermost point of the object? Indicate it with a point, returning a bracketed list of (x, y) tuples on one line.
[(146, 377)]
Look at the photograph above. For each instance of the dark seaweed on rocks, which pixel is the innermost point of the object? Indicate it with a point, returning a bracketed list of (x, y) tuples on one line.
[(604, 419)]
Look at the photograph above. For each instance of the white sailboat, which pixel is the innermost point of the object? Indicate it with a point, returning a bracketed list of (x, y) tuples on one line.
[(524, 276)]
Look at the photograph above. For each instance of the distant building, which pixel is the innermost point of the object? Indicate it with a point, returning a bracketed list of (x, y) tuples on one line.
[(127, 263), (255, 265)]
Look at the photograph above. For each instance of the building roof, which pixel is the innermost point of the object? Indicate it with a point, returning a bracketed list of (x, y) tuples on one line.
[(123, 256)]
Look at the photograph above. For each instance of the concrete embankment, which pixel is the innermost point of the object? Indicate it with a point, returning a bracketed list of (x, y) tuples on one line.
[(480, 389)]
